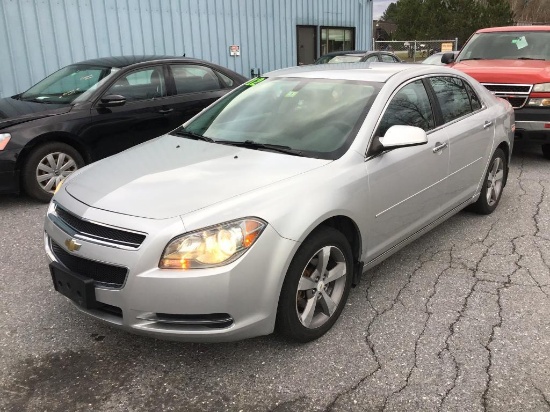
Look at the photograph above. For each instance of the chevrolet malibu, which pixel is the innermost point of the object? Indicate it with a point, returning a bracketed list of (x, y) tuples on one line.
[(262, 211)]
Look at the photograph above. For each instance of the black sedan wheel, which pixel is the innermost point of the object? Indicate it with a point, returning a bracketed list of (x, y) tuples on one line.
[(316, 287), (47, 166)]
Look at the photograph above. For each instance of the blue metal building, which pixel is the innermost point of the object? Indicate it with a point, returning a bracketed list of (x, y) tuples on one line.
[(37, 37)]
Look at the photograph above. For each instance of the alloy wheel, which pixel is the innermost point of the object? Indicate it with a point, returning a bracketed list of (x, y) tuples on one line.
[(321, 287), (494, 181)]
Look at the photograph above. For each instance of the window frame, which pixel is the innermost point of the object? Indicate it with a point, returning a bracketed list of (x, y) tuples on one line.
[(353, 40), (173, 87), (395, 93), (125, 73), (440, 122)]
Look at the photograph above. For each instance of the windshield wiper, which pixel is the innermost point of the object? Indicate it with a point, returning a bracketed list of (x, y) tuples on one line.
[(250, 144), (529, 58), (472, 58), (192, 135)]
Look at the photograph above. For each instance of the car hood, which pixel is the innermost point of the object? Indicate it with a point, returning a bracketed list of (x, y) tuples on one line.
[(506, 71), (14, 111), (171, 176)]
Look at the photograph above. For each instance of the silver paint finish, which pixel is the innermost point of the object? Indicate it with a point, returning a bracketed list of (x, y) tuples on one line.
[(166, 191)]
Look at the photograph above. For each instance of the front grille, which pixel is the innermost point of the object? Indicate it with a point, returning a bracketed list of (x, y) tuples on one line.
[(100, 232), (102, 273), (509, 88), (516, 94)]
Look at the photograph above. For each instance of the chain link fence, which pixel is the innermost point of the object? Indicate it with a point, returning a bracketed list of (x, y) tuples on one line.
[(415, 50)]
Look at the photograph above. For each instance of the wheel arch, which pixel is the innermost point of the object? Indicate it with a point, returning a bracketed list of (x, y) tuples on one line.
[(349, 228), (62, 137), (505, 147)]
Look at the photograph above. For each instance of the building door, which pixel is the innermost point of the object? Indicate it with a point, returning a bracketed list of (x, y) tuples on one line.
[(307, 40)]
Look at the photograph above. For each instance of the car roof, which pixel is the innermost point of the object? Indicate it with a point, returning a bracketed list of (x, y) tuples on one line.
[(365, 71), (123, 61), (514, 28)]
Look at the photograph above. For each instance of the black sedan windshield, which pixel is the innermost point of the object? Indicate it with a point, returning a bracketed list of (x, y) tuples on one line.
[(66, 84), (313, 117)]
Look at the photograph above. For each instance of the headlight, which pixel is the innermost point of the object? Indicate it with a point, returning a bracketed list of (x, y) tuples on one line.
[(213, 246), (539, 102), (542, 87), (4, 140)]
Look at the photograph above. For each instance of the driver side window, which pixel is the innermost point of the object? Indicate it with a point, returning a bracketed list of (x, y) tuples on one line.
[(409, 107), (141, 84)]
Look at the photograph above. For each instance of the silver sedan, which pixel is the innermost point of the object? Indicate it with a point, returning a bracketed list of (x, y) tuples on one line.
[(262, 211)]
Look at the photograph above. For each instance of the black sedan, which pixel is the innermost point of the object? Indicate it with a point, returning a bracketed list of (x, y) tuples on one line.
[(354, 56), (93, 109)]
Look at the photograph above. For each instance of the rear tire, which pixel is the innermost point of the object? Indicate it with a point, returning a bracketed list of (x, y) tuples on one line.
[(546, 150), (46, 166), (316, 286), (493, 184)]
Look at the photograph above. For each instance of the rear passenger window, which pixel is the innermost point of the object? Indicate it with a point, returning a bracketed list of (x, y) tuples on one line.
[(474, 99), (452, 97), (409, 107), (194, 78)]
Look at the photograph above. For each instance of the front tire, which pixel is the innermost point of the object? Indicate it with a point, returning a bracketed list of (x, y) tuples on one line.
[(491, 191), (46, 166), (316, 286)]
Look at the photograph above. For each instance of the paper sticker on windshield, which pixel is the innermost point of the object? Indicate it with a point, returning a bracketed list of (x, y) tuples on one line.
[(291, 94), (255, 81), (520, 42)]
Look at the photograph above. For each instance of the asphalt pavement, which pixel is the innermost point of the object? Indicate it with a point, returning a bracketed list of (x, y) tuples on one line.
[(457, 321)]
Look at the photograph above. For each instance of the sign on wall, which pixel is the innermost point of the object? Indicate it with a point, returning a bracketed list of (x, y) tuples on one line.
[(234, 50)]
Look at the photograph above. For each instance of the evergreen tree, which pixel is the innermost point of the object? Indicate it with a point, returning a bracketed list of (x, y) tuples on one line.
[(446, 19)]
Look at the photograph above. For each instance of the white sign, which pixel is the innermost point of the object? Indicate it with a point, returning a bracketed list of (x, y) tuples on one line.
[(234, 50)]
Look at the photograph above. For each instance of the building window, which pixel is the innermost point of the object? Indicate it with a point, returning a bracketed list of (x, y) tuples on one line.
[(337, 39)]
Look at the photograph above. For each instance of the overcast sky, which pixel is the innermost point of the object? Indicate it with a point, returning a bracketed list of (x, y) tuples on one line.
[(379, 6)]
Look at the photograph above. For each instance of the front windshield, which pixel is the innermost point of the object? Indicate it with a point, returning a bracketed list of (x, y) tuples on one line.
[(66, 84), (522, 45), (316, 117)]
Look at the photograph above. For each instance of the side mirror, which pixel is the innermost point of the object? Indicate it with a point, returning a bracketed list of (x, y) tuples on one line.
[(447, 58), (112, 100), (403, 136)]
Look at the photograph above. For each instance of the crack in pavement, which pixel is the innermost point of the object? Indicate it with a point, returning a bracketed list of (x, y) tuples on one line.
[(462, 310), (377, 315), (543, 395), (429, 315)]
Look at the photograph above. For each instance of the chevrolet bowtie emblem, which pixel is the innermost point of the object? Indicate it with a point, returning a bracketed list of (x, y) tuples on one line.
[(72, 245)]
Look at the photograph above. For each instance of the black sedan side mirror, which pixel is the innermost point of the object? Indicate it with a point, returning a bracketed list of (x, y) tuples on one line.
[(112, 100), (447, 58)]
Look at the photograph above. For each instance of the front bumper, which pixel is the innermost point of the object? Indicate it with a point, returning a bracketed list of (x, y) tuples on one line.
[(9, 176), (533, 124), (226, 303)]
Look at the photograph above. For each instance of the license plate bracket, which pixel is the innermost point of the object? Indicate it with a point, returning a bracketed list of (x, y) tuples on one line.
[(74, 286)]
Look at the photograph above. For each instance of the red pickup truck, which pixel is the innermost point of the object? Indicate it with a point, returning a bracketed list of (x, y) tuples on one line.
[(514, 63)]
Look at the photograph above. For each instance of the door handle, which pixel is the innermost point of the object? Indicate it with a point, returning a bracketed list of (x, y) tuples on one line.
[(164, 111), (487, 124), (439, 147)]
